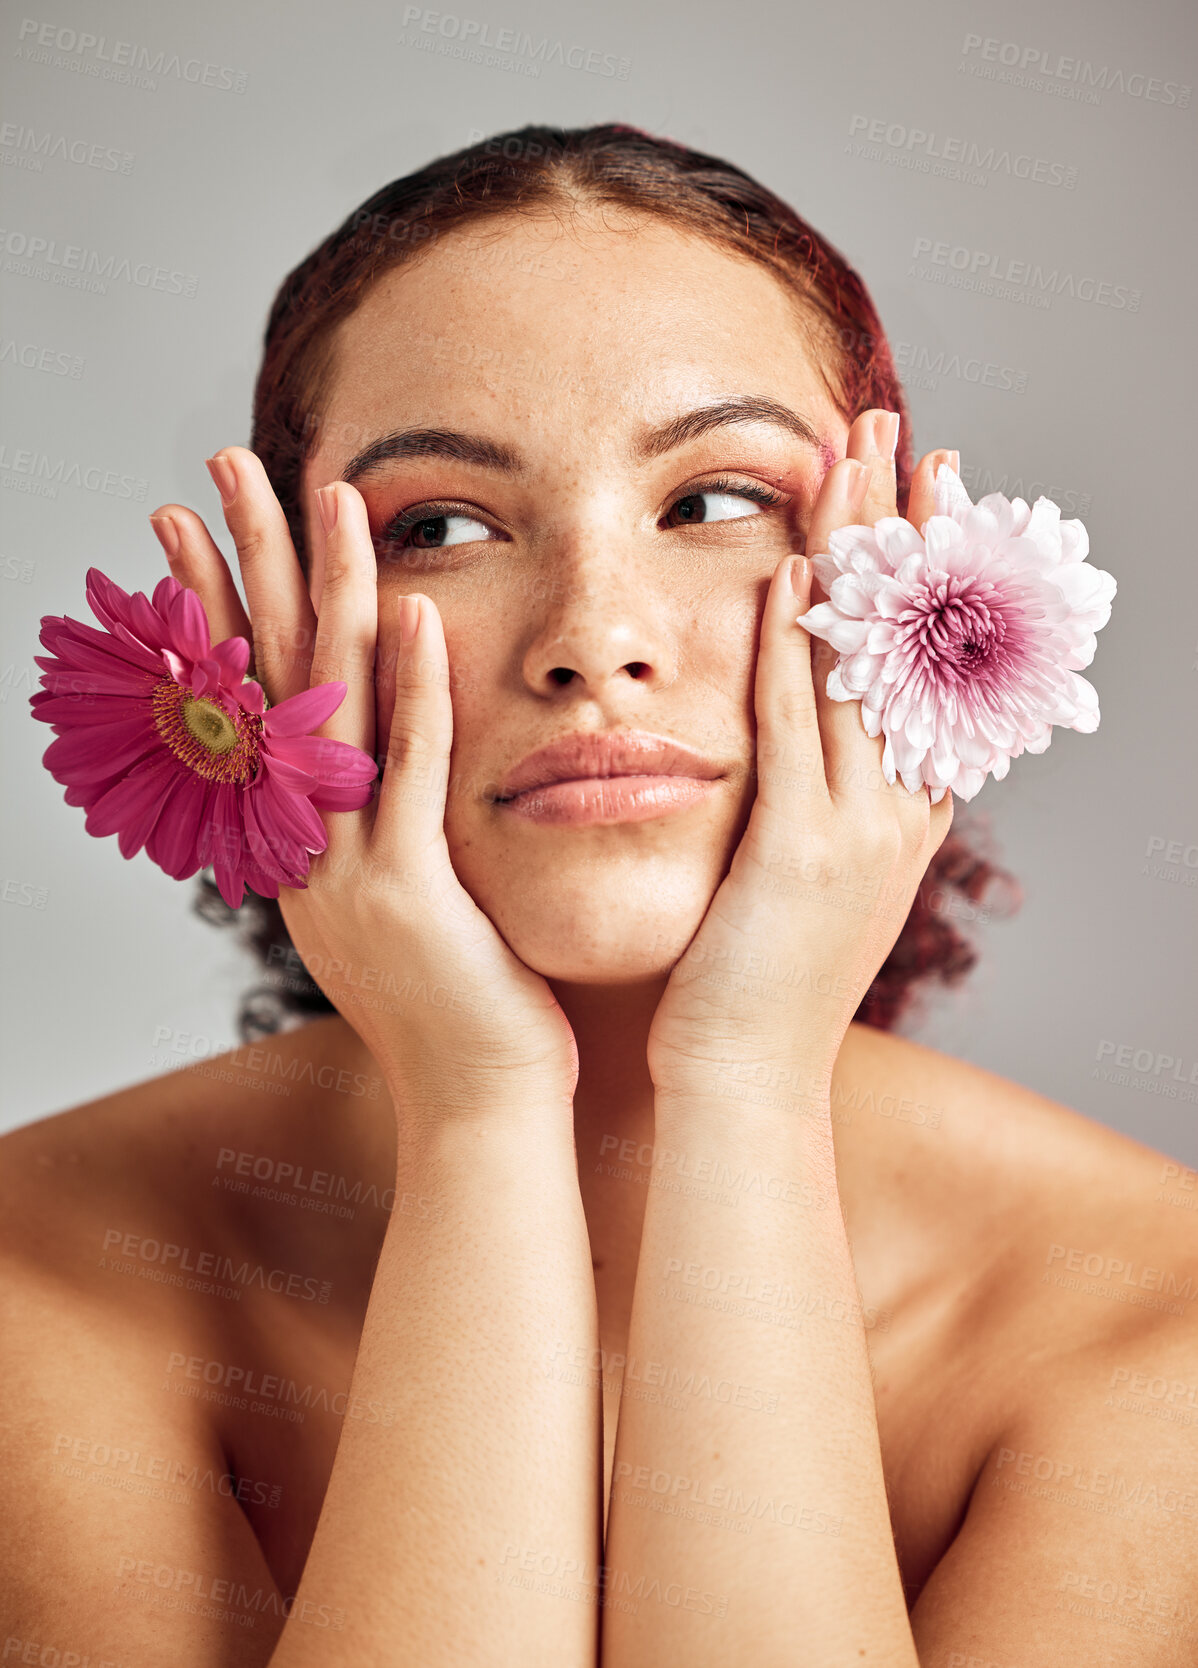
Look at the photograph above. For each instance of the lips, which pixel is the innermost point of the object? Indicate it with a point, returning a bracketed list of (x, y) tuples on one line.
[(585, 756), (625, 776)]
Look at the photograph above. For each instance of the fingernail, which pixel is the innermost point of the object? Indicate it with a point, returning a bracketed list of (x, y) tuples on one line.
[(955, 462), (168, 535), (886, 429), (409, 618), (858, 482), (326, 498), (225, 477), (800, 566)]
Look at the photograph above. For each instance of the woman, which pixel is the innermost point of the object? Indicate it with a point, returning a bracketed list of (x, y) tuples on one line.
[(598, 1279)]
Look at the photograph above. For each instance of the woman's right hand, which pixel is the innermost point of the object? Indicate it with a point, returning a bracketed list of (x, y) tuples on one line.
[(455, 1020)]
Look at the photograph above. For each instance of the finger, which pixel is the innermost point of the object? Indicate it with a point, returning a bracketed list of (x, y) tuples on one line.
[(838, 504), (940, 819), (279, 604), (410, 818), (347, 622), (872, 440), (790, 747), (920, 504), (851, 757), (195, 561)]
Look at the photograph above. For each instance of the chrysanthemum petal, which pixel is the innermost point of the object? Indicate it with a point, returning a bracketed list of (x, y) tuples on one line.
[(962, 641), (949, 494)]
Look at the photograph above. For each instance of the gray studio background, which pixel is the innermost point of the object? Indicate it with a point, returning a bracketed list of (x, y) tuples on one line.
[(248, 132)]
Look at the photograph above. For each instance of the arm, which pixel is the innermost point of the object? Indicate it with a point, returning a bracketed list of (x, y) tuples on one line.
[(488, 1464), (780, 1542), (764, 994), (122, 1539)]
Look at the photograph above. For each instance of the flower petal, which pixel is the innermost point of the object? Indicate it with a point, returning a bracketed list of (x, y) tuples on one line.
[(130, 808), (84, 754), (301, 713), (174, 839), (189, 625)]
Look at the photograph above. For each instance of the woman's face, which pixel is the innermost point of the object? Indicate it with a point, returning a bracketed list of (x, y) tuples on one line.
[(610, 576)]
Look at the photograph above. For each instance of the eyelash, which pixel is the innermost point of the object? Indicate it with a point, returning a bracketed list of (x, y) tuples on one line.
[(403, 523)]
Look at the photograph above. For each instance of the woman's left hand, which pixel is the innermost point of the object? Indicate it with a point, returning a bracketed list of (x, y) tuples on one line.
[(826, 872)]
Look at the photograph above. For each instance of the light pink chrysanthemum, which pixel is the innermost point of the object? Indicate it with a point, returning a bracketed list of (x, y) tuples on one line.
[(165, 743), (962, 641)]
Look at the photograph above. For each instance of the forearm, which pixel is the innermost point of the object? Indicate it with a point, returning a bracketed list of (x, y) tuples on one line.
[(488, 1460), (765, 1490)]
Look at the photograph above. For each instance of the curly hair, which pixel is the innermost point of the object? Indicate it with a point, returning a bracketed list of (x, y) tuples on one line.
[(546, 169)]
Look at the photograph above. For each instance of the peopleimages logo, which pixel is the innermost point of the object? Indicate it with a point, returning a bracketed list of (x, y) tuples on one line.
[(28, 148), (504, 47), (114, 60), (982, 270), (1054, 72), (959, 158), (86, 269)]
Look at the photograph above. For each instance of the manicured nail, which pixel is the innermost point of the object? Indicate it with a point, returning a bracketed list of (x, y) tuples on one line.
[(409, 618), (799, 569), (225, 477), (326, 498), (168, 535), (858, 482), (955, 462), (886, 429)]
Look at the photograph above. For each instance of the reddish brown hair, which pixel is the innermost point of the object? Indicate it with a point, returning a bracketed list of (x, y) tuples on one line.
[(554, 170)]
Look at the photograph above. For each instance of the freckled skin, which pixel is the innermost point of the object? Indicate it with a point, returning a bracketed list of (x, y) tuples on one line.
[(588, 578)]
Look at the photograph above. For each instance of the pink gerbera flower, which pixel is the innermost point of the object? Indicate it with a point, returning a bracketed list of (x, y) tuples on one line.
[(962, 641), (165, 743)]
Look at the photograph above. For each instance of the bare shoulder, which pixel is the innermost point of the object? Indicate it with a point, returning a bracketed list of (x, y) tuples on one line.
[(1036, 1369), (1018, 1186), (119, 1502)]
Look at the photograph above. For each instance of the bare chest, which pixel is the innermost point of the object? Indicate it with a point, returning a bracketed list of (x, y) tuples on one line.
[(933, 1433), (282, 1410)]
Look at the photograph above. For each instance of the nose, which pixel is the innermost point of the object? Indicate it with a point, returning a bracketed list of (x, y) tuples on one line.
[(599, 632)]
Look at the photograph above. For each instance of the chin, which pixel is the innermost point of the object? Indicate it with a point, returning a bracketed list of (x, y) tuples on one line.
[(602, 922)]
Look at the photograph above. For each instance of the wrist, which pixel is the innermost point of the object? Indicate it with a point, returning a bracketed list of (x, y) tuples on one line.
[(506, 1108), (791, 1086)]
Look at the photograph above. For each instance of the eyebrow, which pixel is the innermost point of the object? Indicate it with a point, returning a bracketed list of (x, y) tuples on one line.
[(505, 460)]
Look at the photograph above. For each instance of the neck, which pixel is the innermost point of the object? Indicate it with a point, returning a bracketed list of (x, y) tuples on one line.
[(614, 1097), (613, 1111), (613, 1128)]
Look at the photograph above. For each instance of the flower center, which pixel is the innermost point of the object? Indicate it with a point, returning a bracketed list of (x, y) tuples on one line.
[(203, 736), (957, 626)]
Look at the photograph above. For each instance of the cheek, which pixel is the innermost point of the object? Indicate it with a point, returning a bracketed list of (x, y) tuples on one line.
[(715, 690)]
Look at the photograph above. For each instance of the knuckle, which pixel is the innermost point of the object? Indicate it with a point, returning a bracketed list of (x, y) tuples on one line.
[(793, 710), (884, 840), (251, 542)]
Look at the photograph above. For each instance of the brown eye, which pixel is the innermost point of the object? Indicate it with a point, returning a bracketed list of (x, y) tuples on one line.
[(416, 531), (722, 501)]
